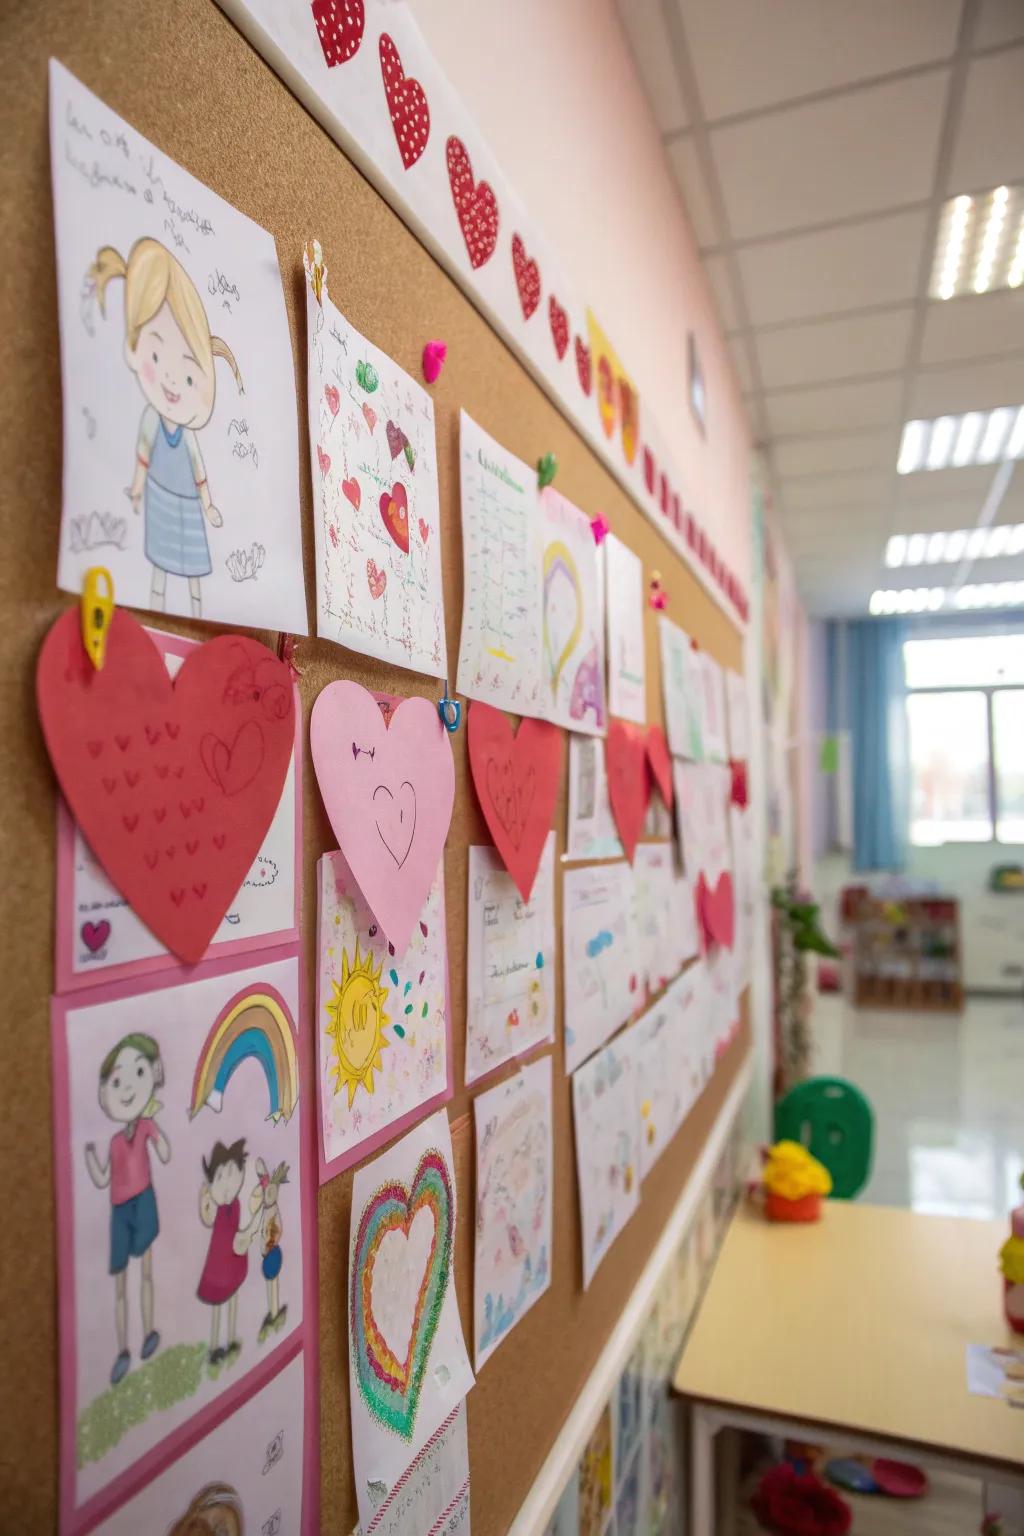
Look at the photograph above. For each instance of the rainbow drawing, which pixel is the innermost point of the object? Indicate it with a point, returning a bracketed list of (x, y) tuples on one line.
[(390, 1386), (255, 1024)]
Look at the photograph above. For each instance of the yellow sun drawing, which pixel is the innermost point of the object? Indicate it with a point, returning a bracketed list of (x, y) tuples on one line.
[(357, 1023)]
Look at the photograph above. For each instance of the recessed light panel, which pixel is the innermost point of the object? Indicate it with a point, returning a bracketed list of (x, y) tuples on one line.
[(948, 548), (980, 244), (990, 594), (954, 442)]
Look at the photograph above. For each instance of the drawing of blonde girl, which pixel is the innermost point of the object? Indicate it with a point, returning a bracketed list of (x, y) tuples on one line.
[(169, 349)]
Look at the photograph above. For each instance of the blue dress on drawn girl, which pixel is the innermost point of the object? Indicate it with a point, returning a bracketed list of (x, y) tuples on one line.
[(175, 524)]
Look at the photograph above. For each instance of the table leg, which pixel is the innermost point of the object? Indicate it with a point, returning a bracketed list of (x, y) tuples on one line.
[(702, 1472)]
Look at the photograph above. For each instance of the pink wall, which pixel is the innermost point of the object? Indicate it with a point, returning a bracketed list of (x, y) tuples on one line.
[(551, 84)]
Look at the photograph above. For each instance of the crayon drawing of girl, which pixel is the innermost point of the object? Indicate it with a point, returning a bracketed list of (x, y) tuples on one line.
[(169, 349)]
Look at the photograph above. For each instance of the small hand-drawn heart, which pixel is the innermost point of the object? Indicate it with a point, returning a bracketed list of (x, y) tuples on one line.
[(351, 492), (424, 530), (323, 459), (475, 205), (396, 819), (527, 277), (95, 935), (559, 326), (370, 417), (407, 103), (339, 25), (629, 784), (583, 370), (376, 579), (396, 438), (394, 512), (333, 398), (232, 768)]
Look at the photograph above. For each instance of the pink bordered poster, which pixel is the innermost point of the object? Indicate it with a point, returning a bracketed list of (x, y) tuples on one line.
[(100, 939), (186, 1226), (383, 1026)]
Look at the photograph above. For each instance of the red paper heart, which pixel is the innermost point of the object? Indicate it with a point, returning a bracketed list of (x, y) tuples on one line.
[(716, 909), (629, 786), (649, 470), (339, 25), (517, 778), (738, 782), (351, 491), (527, 277), (178, 780), (333, 398), (583, 369), (661, 762), (394, 512), (559, 326), (475, 204), (323, 459), (407, 103)]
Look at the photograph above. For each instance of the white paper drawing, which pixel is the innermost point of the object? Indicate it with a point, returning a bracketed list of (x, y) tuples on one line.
[(606, 1120), (627, 684), (682, 686), (572, 613), (180, 448), (656, 942), (591, 833), (601, 980), (656, 1041), (373, 461), (510, 961), (433, 1494), (716, 745), (738, 708)]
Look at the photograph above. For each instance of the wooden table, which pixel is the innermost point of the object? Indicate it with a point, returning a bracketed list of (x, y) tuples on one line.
[(852, 1329)]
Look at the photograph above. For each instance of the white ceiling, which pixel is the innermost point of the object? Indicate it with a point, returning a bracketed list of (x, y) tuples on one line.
[(814, 142)]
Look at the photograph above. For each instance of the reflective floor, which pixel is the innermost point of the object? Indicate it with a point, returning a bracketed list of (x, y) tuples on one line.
[(948, 1096)]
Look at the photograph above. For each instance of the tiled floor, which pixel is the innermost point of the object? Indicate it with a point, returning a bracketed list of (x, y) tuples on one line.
[(948, 1095)]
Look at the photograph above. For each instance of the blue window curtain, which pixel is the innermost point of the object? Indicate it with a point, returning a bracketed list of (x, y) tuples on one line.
[(877, 715)]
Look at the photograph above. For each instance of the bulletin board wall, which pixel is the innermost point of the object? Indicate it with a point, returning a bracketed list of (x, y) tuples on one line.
[(182, 75)]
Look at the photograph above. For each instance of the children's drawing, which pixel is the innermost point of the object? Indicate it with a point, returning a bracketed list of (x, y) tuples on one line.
[(627, 1412), (500, 653), (513, 1203), (702, 820), (712, 680), (510, 962), (592, 833), (130, 1074), (601, 979), (606, 1119), (377, 522), (382, 1020), (387, 778), (408, 1364), (738, 715), (572, 611), (433, 1492), (682, 686), (199, 1078), (627, 677), (656, 1043), (245, 1478), (177, 382), (595, 1479), (656, 937)]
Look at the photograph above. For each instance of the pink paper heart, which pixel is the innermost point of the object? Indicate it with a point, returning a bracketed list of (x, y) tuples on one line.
[(388, 790)]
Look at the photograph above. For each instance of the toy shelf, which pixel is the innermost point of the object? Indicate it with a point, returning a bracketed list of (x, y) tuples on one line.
[(906, 952)]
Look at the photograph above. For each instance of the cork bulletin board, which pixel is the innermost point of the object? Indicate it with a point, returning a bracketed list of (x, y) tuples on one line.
[(184, 77)]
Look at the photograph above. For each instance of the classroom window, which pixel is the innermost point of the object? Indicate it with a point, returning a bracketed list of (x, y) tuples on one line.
[(965, 713)]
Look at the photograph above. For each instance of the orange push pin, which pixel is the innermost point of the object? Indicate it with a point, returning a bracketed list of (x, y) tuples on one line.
[(97, 613)]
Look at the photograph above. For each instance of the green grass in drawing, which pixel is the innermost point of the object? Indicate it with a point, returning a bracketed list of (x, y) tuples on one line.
[(168, 1378)]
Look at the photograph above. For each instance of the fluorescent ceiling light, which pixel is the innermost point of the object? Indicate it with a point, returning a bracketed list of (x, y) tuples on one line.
[(998, 594), (980, 244), (941, 548), (977, 437), (907, 600)]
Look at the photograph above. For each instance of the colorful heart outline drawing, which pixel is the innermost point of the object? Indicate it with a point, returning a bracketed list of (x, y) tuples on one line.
[(356, 754), (390, 1387), (527, 274), (660, 760), (476, 206), (517, 778), (407, 103), (394, 514), (95, 935), (629, 784), (191, 761)]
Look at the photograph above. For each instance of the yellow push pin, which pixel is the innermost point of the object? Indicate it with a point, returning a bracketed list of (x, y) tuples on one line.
[(97, 612)]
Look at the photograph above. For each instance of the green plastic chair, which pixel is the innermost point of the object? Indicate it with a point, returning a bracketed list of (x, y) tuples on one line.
[(836, 1124)]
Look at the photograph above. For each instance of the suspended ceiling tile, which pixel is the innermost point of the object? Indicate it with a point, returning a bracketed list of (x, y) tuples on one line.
[(721, 287), (683, 158), (990, 143), (967, 486), (969, 387), (751, 53), (834, 455), (835, 270), (834, 349), (978, 326), (823, 493), (857, 153), (837, 406), (999, 21), (644, 24)]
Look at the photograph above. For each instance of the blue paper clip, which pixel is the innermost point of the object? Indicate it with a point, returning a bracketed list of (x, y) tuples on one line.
[(450, 711)]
